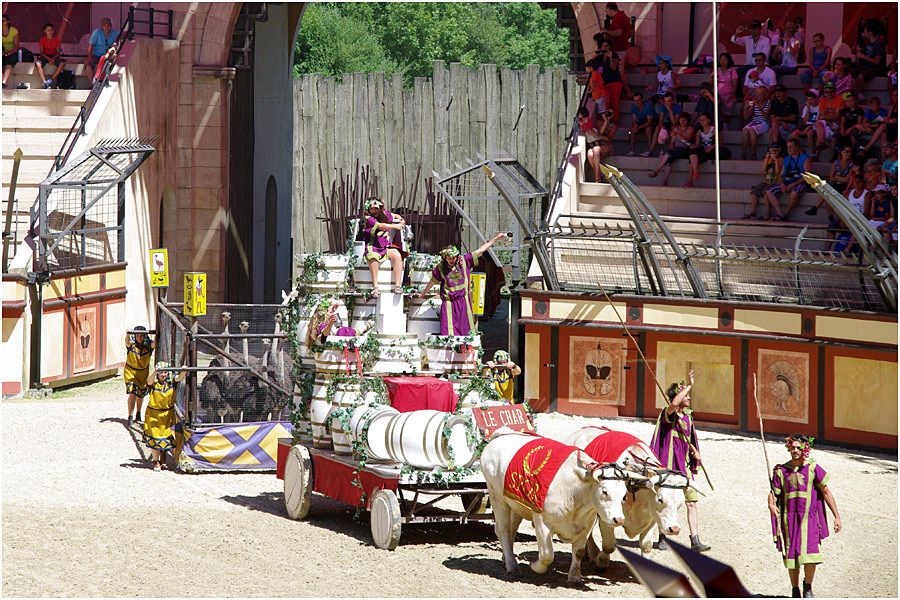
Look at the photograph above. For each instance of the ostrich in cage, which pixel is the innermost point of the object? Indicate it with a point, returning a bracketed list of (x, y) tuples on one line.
[(214, 386)]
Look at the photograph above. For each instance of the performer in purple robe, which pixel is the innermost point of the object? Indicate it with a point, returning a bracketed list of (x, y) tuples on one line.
[(382, 231), (321, 324), (676, 446), (798, 512), (452, 273)]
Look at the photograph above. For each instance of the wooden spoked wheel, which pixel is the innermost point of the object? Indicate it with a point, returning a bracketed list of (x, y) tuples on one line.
[(298, 483), (386, 519)]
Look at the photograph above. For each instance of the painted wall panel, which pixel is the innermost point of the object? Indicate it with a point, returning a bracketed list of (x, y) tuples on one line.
[(681, 316), (532, 366), (115, 333), (53, 349), (767, 321), (713, 374), (575, 310), (865, 394), (856, 329)]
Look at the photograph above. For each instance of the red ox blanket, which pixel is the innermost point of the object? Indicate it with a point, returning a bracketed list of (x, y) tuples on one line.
[(609, 446), (532, 470)]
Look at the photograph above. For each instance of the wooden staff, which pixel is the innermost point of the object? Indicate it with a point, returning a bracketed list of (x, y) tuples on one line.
[(656, 381), (762, 437)]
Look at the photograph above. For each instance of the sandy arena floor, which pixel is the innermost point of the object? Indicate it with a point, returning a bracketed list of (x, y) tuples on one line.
[(83, 515)]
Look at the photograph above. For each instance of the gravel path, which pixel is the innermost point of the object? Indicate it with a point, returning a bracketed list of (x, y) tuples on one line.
[(84, 516)]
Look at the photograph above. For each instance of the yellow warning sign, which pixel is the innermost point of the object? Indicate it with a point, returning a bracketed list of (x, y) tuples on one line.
[(159, 268), (195, 294), (477, 291)]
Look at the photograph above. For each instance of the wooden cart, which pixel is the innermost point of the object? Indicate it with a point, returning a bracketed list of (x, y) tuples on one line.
[(393, 498)]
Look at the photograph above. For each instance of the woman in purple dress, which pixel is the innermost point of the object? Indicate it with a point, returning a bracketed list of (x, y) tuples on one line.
[(382, 230), (797, 503), (452, 273)]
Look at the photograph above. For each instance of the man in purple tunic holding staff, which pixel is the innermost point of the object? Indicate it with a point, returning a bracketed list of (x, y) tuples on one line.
[(676, 446), (382, 230), (798, 512), (452, 273)]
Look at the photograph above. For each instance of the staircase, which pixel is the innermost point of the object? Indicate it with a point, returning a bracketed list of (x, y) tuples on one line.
[(36, 121)]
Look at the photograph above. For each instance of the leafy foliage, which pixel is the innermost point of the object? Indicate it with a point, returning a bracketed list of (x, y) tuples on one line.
[(406, 37)]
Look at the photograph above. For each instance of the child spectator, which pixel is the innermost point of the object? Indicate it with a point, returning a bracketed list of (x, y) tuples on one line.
[(819, 61), (870, 58), (49, 54), (851, 119), (790, 180), (587, 127), (839, 75), (599, 100), (838, 177), (728, 86), (809, 114), (829, 121), (880, 211), (666, 81), (503, 372), (759, 76), (874, 118), (704, 147), (666, 111), (771, 168), (784, 115), (757, 113), (706, 104), (643, 120), (681, 139)]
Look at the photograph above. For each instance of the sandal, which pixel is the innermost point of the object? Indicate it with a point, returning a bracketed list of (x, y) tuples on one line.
[(376, 292), (749, 216), (157, 466), (398, 289), (652, 174), (778, 218)]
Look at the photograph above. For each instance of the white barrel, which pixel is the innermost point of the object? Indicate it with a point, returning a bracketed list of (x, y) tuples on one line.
[(306, 355), (442, 355), (303, 426), (397, 354), (417, 438), (424, 317), (362, 277), (331, 276), (420, 267), (359, 249), (363, 318), (346, 395), (368, 426), (320, 412), (332, 361)]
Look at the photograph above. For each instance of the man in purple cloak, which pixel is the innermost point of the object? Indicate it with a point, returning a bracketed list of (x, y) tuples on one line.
[(452, 273), (797, 505), (382, 231), (676, 446)]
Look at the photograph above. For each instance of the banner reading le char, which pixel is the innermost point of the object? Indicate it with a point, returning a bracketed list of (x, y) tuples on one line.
[(492, 418)]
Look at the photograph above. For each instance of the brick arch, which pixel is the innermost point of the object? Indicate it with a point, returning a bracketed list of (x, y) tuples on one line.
[(217, 32)]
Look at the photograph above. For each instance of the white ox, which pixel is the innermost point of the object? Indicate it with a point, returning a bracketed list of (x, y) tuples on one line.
[(650, 504), (579, 494)]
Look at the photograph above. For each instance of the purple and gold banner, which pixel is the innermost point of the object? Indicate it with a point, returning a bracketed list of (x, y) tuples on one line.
[(242, 447)]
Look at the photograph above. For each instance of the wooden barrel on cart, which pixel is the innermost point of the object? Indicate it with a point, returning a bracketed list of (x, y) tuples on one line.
[(362, 277), (334, 361), (397, 354), (443, 355), (430, 438), (363, 318), (424, 317), (331, 273), (368, 426), (347, 395), (320, 412)]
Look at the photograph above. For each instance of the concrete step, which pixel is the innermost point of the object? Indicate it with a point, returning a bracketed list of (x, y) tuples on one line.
[(36, 123), (638, 167), (40, 102), (30, 149), (15, 138), (31, 172)]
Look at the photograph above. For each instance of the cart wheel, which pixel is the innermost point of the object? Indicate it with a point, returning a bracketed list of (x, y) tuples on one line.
[(385, 517), (480, 505), (298, 482)]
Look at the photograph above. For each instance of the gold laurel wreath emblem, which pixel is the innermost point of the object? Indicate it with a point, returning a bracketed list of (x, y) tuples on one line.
[(526, 484)]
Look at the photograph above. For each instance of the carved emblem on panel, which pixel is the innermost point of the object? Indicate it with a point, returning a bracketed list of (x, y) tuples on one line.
[(784, 385), (85, 340), (596, 370)]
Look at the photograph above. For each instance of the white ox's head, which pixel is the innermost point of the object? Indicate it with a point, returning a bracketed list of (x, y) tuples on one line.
[(668, 490), (609, 484)]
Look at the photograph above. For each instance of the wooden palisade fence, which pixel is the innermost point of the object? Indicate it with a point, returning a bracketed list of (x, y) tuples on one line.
[(371, 119)]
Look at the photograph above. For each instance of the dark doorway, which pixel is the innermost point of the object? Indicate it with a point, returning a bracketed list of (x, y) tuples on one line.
[(239, 233), (270, 287)]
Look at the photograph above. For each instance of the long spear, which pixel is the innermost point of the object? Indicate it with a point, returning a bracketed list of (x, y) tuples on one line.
[(762, 436), (655, 380)]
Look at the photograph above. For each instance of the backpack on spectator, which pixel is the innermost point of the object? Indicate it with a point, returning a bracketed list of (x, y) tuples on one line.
[(66, 80)]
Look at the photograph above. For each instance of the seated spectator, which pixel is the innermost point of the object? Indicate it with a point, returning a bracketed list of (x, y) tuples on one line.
[(769, 30), (870, 58), (666, 113), (880, 211), (754, 43), (784, 115), (706, 104), (587, 128), (856, 195), (850, 120), (829, 121), (49, 54), (771, 168), (886, 131), (100, 45), (809, 115), (603, 148), (643, 121), (784, 54), (680, 140), (759, 76), (756, 113), (889, 166), (618, 32), (10, 50), (666, 81), (838, 177), (790, 180), (839, 75), (874, 116), (872, 173), (819, 62), (703, 148), (728, 86)]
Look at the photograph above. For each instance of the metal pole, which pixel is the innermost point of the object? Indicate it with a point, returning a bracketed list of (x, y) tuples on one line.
[(10, 203), (718, 125)]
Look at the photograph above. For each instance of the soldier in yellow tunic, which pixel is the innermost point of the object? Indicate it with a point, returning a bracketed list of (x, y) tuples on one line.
[(503, 373), (138, 352), (159, 436)]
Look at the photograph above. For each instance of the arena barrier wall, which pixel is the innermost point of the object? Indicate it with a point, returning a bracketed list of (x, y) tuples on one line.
[(829, 374)]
